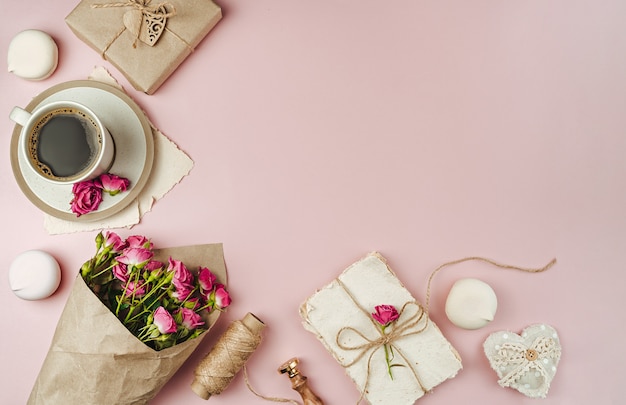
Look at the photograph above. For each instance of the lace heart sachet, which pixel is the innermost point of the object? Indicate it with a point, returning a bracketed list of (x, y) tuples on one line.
[(525, 362)]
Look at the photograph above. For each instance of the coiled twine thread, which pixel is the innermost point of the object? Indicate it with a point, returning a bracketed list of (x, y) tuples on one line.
[(227, 357)]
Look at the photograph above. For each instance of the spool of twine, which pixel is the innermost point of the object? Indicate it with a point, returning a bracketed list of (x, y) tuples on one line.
[(227, 357)]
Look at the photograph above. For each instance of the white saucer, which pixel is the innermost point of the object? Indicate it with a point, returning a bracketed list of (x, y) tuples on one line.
[(134, 149)]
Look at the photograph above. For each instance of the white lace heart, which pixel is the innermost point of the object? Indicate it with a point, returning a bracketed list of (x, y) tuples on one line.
[(526, 363)]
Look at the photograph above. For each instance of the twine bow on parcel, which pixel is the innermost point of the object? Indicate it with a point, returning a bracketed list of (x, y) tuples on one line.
[(145, 21), (403, 327)]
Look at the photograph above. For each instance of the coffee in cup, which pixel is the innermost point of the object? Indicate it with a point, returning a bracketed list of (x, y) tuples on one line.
[(64, 142)]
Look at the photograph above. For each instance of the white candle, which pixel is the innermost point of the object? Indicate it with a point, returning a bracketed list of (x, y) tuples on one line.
[(34, 274), (471, 304), (32, 55)]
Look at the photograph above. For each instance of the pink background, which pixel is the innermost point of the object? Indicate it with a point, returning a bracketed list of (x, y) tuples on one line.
[(323, 130)]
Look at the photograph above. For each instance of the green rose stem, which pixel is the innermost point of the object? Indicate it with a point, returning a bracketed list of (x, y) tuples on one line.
[(388, 352), (155, 288), (134, 318), (101, 272)]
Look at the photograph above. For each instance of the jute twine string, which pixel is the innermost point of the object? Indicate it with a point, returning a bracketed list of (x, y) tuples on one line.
[(143, 6), (147, 10), (228, 357), (485, 260), (272, 399), (405, 327)]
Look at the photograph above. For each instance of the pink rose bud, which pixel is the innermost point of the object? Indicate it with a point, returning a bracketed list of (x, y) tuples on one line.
[(164, 321), (190, 319), (385, 314), (138, 241), (183, 279), (183, 291), (113, 242), (222, 298), (120, 272), (206, 279), (112, 184)]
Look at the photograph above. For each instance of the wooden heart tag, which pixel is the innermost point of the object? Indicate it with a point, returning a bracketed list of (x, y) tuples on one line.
[(146, 24)]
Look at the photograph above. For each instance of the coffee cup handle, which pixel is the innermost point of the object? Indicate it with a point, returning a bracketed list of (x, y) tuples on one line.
[(19, 115)]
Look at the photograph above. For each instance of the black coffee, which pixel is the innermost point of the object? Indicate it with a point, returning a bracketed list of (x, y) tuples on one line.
[(64, 143)]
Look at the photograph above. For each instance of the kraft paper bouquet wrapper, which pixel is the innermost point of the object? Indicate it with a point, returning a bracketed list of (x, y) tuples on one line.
[(339, 316), (95, 360), (108, 27)]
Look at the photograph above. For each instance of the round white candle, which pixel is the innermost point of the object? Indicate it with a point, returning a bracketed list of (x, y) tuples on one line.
[(34, 274), (471, 304), (32, 55)]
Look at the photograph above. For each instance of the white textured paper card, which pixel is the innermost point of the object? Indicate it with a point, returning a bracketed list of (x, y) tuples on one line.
[(336, 312)]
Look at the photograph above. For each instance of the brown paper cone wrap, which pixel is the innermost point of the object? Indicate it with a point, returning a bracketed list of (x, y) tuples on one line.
[(95, 360)]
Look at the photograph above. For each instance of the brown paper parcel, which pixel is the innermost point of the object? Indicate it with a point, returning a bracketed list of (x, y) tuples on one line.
[(95, 360), (339, 316), (100, 24)]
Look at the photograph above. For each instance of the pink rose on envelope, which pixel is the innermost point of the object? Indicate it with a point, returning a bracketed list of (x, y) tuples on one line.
[(385, 314)]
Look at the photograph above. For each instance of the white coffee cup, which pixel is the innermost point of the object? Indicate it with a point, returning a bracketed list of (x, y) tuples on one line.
[(64, 142)]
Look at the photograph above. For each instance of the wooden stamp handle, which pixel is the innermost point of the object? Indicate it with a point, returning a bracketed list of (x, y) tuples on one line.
[(299, 382)]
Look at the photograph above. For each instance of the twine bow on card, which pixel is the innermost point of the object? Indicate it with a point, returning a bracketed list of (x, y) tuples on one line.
[(406, 325), (144, 21), (525, 359)]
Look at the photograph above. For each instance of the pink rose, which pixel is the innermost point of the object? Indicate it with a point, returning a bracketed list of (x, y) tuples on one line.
[(206, 279), (137, 257), (190, 319), (153, 265), (222, 298), (164, 321), (182, 277), (120, 272), (183, 291), (113, 242), (138, 241), (87, 198), (111, 183), (385, 314)]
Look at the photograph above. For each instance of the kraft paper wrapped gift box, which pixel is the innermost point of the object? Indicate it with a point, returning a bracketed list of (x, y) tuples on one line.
[(340, 316), (146, 42)]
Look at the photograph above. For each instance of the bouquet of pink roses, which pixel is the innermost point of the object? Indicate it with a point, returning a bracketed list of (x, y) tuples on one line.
[(134, 316), (158, 303)]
